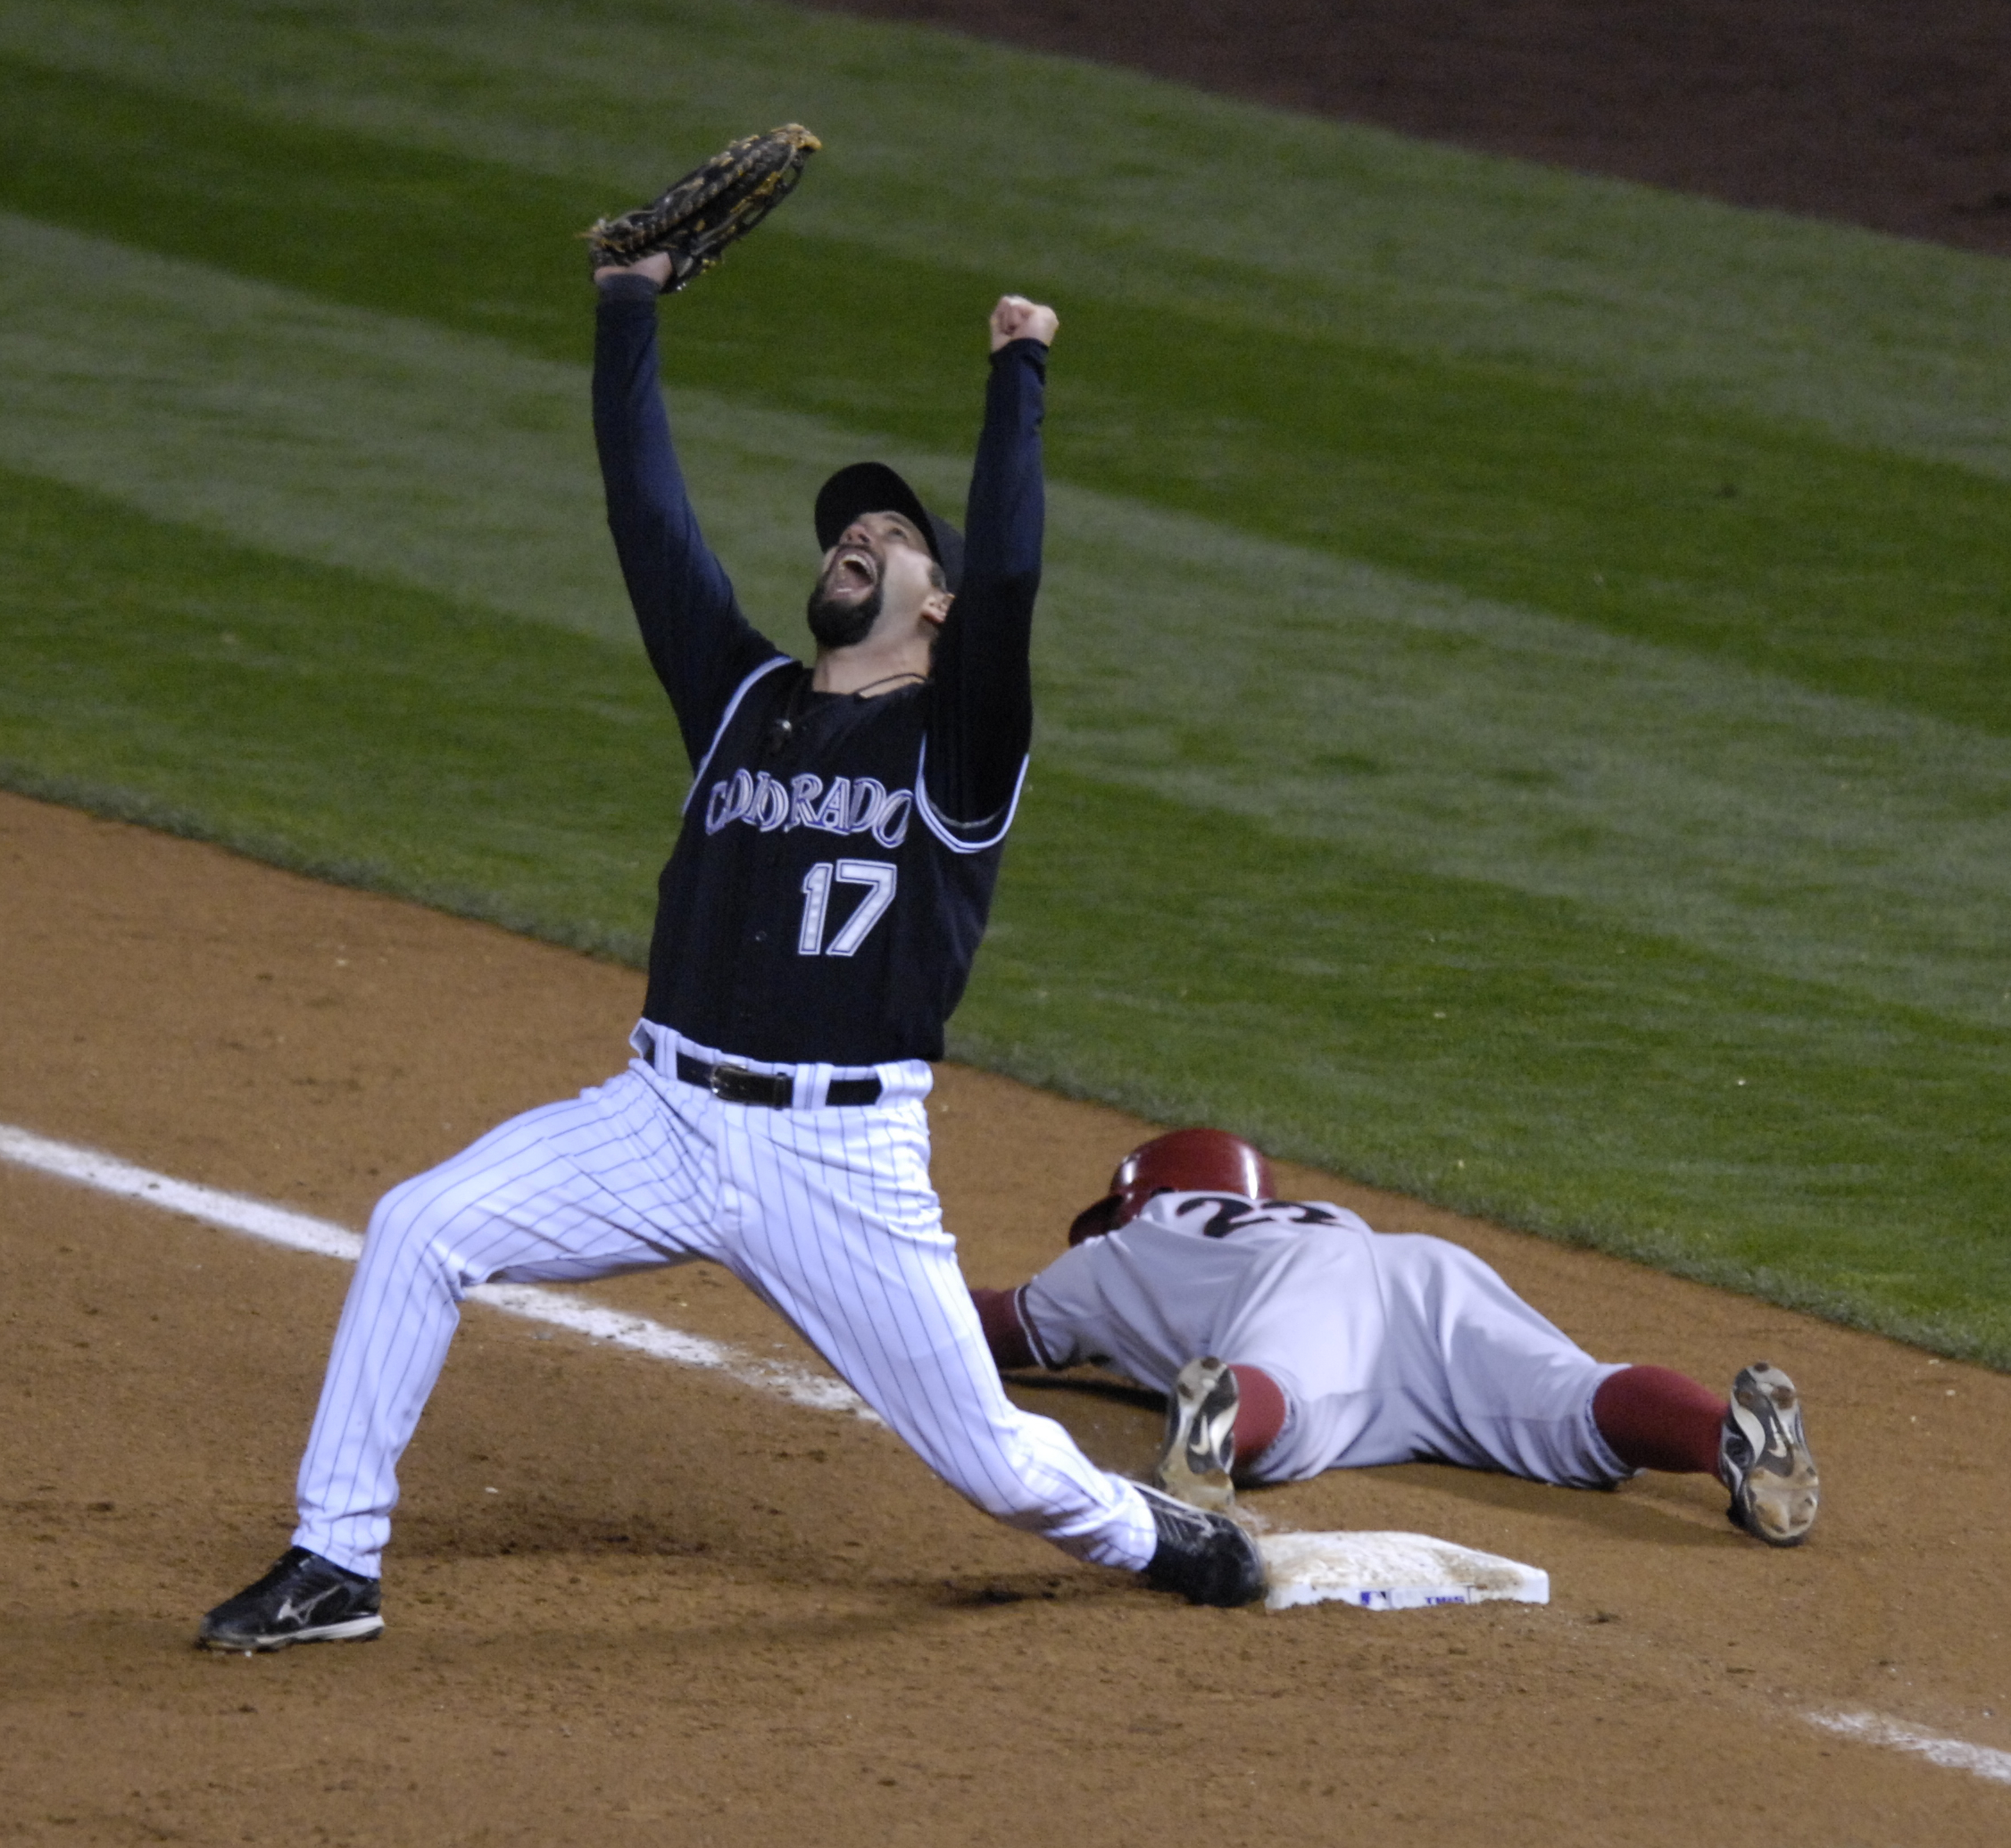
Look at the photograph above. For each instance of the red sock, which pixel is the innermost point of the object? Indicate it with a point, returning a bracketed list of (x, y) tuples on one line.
[(998, 1313), (1657, 1418), (1259, 1413)]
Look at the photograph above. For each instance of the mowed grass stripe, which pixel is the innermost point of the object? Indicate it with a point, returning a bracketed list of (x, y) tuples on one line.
[(329, 722), (1836, 841), (388, 444), (1506, 1053), (1851, 571), (1137, 190), (324, 432), (1825, 840)]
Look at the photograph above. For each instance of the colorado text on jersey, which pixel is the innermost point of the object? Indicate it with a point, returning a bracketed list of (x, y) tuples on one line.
[(851, 805)]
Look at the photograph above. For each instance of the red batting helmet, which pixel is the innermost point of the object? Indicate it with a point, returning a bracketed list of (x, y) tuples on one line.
[(1184, 1162)]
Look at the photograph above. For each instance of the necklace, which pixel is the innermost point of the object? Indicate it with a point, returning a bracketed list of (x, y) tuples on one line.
[(888, 680)]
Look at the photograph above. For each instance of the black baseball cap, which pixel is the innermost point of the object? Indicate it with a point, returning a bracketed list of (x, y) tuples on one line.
[(873, 487)]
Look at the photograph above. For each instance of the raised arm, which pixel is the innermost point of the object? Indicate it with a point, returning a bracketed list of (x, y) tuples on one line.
[(983, 712), (698, 641)]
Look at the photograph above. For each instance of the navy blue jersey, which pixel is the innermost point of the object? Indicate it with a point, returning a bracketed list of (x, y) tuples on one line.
[(834, 873)]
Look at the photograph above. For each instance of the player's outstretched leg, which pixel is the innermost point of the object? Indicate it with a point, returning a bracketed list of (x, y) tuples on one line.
[(1204, 1556), (303, 1599), (397, 1320), (605, 1182), (1764, 1460)]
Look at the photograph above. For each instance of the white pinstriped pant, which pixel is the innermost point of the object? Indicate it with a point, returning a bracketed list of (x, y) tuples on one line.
[(827, 1214)]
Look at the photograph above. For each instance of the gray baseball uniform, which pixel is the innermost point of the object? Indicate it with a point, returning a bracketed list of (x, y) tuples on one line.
[(1389, 1347)]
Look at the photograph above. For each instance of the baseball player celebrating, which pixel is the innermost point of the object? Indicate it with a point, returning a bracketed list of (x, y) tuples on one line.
[(1341, 1346), (815, 927)]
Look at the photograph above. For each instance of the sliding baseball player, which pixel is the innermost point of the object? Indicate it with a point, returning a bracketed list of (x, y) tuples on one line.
[(1291, 1339)]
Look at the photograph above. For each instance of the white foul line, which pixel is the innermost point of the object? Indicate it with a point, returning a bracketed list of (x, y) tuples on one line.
[(234, 1213), (1952, 1754)]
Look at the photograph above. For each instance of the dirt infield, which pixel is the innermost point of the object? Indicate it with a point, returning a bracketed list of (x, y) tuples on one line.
[(1892, 113), (630, 1603)]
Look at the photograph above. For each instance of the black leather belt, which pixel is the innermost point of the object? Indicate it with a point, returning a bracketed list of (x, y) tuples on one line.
[(735, 1084)]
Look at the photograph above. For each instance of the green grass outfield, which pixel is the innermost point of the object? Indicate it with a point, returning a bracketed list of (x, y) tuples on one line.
[(1524, 672)]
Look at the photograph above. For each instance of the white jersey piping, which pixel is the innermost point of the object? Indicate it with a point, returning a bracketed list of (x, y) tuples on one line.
[(726, 718), (940, 827)]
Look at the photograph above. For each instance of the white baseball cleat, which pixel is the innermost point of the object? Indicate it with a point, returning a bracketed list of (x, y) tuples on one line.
[(1763, 1459), (1200, 1445)]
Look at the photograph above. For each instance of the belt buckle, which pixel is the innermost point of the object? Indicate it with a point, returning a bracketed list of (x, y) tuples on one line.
[(735, 1084)]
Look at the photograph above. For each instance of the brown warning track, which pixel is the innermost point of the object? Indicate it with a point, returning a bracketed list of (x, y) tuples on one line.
[(1892, 113), (690, 1612)]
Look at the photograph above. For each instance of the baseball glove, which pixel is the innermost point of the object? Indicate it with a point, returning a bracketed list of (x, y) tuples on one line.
[(711, 207)]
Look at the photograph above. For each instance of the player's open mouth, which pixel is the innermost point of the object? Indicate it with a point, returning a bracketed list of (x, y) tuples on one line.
[(853, 569)]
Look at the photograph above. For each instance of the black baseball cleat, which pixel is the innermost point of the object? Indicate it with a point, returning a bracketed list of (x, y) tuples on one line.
[(304, 1598), (1201, 1436), (1204, 1556), (1763, 1459)]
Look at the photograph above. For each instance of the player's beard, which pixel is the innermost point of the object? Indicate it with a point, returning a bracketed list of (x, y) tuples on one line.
[(838, 624)]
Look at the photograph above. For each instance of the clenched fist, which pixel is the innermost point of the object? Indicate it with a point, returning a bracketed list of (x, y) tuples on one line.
[(1018, 319)]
